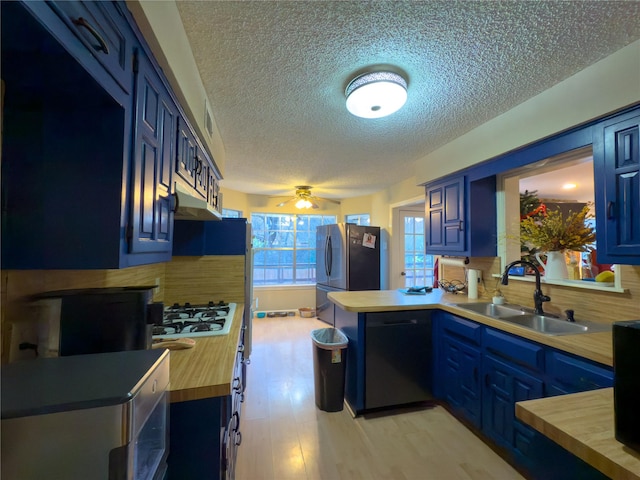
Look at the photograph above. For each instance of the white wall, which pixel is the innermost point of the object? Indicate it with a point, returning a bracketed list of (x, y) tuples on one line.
[(284, 298), (160, 23), (608, 85)]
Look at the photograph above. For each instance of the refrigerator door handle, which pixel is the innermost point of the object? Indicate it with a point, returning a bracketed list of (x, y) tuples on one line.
[(328, 256)]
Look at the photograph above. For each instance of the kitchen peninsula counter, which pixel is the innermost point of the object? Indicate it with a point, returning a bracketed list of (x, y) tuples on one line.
[(593, 346), (583, 423), (206, 370)]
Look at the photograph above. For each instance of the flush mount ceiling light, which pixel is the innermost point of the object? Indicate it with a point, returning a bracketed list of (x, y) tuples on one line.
[(376, 94)]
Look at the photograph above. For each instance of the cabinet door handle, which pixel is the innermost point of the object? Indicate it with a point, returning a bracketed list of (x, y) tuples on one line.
[(237, 384), (610, 206), (236, 423), (487, 380), (461, 225), (238, 440), (174, 202), (81, 22)]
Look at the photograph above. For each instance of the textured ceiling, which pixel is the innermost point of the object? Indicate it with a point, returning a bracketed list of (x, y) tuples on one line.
[(275, 73)]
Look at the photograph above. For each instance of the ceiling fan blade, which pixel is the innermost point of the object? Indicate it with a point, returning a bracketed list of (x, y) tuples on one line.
[(282, 204), (322, 199)]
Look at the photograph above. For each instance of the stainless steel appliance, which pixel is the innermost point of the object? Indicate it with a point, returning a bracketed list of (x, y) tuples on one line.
[(94, 320), (626, 388), (99, 416), (179, 321), (347, 258)]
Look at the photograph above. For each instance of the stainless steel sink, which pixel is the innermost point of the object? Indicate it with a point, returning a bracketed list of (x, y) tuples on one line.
[(548, 325), (492, 309), (523, 317)]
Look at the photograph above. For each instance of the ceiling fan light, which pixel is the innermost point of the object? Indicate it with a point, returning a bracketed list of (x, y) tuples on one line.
[(376, 94), (304, 203)]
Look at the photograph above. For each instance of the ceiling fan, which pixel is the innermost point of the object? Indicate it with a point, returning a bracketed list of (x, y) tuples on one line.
[(304, 198)]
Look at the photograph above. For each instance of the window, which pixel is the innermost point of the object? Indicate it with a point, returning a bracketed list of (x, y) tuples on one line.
[(418, 266), (284, 248), (228, 213), (358, 219), (544, 181)]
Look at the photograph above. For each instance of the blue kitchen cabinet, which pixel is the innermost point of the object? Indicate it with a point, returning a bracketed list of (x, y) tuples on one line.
[(513, 372), (512, 369), (194, 166), (461, 216), (457, 365), (103, 30), (191, 165), (204, 434), (569, 374), (150, 228), (197, 430), (198, 238), (504, 386), (88, 143), (444, 211), (616, 157)]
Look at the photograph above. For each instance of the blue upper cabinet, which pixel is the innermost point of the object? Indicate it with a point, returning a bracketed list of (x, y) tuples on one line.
[(195, 168), (461, 216), (197, 238), (616, 155), (88, 147), (445, 216), (102, 29), (151, 224)]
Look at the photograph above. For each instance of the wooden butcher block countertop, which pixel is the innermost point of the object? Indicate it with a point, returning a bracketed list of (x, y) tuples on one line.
[(594, 346), (205, 370), (583, 423)]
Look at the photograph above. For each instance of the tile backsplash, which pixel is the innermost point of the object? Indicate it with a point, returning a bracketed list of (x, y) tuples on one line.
[(593, 305)]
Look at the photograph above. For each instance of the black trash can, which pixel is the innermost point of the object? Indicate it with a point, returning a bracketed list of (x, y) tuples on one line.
[(329, 366)]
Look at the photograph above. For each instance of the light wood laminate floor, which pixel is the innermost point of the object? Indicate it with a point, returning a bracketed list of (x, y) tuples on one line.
[(285, 436)]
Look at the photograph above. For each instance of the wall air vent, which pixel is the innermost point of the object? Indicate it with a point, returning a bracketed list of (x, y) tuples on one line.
[(208, 121)]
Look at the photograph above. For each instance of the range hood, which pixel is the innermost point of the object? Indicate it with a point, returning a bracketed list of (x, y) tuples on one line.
[(191, 207)]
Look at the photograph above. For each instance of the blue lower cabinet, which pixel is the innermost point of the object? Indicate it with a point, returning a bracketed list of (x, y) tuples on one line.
[(512, 369), (196, 437), (570, 374), (460, 371), (504, 386)]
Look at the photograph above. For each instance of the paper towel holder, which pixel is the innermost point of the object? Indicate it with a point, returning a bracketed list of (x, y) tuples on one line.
[(454, 261)]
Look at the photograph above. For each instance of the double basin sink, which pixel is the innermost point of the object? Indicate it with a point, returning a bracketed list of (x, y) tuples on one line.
[(546, 324)]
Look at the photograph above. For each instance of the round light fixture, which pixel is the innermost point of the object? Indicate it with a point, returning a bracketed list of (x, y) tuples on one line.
[(376, 94)]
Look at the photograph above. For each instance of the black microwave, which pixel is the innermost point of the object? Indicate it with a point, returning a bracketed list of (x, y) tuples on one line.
[(97, 320), (626, 384)]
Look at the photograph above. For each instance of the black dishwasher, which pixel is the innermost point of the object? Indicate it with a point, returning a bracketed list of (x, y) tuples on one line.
[(397, 358)]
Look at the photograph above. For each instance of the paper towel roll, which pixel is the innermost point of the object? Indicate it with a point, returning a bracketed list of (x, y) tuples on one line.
[(472, 283), (454, 261)]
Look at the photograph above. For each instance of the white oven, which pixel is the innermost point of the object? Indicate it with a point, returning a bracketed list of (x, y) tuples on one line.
[(98, 416)]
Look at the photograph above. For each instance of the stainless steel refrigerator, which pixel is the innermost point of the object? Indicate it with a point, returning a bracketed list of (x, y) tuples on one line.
[(347, 258)]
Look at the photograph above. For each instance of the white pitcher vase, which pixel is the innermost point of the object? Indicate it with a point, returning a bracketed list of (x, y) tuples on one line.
[(556, 266)]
